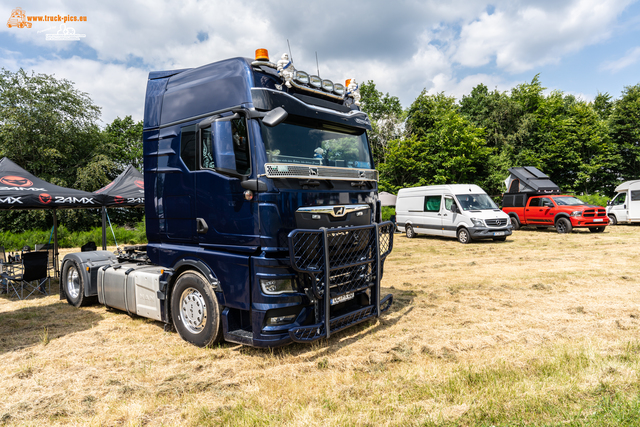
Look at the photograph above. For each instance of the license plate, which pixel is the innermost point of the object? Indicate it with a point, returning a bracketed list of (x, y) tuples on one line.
[(598, 220), (499, 233), (342, 298)]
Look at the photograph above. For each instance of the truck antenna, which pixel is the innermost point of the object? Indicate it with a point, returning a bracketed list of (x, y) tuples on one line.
[(317, 66), (290, 55)]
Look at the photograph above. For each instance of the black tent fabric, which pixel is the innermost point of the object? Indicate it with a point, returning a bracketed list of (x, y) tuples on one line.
[(21, 190), (127, 190)]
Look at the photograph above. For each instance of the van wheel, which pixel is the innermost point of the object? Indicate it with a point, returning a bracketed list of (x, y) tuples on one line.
[(409, 231), (563, 225), (596, 229), (195, 310), (515, 223), (464, 236), (613, 220), (73, 285)]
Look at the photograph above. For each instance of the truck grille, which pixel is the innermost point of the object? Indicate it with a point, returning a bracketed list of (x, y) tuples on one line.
[(278, 170), (590, 213), (500, 222)]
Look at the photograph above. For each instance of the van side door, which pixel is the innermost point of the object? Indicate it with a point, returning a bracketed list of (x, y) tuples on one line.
[(449, 218), (432, 215), (619, 207)]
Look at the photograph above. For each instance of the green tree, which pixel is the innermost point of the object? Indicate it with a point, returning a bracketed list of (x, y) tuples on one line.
[(624, 129), (386, 115)]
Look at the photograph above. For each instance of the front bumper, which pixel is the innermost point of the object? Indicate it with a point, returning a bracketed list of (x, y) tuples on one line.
[(580, 221), (490, 232)]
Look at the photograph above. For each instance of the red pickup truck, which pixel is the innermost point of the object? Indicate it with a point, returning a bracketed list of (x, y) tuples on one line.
[(560, 211)]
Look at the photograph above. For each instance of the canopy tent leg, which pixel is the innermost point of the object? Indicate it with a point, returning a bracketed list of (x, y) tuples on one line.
[(104, 228), (56, 272)]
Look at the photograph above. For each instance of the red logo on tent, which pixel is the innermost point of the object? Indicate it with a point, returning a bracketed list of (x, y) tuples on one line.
[(45, 198), (16, 181), (118, 199), (140, 184)]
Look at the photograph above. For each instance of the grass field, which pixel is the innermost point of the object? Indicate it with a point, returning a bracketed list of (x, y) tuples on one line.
[(539, 330)]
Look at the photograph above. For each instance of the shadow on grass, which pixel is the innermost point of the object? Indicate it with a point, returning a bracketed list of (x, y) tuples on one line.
[(38, 320)]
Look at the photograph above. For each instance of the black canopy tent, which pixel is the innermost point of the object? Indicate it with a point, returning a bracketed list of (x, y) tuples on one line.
[(20, 189), (126, 191)]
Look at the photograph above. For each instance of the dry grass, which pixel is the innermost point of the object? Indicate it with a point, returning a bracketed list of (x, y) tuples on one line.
[(541, 329)]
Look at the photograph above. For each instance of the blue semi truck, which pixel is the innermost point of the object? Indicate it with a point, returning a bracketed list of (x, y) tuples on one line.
[(262, 213)]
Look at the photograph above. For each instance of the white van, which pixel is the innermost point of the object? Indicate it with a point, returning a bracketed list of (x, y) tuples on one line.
[(463, 211), (625, 206)]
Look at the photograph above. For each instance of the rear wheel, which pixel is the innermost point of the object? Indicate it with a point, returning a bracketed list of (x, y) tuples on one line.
[(613, 220), (463, 236), (409, 231), (73, 285), (515, 223), (195, 310), (563, 225)]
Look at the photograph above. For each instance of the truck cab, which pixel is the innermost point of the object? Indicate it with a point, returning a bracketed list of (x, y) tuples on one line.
[(261, 204)]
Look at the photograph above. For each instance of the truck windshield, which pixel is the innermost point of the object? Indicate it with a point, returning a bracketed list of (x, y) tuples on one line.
[(475, 202), (319, 144), (568, 201)]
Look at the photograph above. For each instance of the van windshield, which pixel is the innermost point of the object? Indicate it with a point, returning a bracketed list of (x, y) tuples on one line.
[(475, 202), (320, 144)]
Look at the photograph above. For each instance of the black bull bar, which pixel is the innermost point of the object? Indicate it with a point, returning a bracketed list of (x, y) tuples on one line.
[(351, 258)]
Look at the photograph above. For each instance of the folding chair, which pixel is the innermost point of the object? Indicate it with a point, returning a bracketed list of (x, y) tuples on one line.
[(34, 275), (49, 248)]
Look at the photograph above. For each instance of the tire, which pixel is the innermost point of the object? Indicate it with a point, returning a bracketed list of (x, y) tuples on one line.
[(409, 231), (463, 236), (563, 226), (597, 229), (499, 239), (195, 310), (515, 223), (613, 220), (73, 285)]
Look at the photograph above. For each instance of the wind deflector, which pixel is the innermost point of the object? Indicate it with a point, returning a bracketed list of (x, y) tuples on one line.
[(529, 179)]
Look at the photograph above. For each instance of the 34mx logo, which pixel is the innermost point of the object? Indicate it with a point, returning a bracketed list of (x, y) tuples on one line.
[(11, 200)]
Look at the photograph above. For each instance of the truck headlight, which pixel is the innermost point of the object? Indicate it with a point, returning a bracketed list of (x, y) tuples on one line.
[(477, 222), (277, 286), (576, 213), (327, 85), (281, 320), (315, 81), (301, 77), (338, 88)]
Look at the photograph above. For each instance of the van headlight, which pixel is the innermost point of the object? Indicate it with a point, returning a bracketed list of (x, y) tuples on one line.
[(277, 286), (477, 222)]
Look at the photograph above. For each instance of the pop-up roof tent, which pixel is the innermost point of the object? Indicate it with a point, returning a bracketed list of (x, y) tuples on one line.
[(21, 190), (529, 179), (126, 191)]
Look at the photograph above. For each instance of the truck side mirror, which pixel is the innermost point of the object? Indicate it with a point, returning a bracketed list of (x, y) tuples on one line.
[(275, 117), (548, 204), (225, 157), (609, 202)]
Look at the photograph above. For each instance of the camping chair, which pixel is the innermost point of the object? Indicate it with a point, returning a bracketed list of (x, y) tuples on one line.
[(34, 275), (49, 248)]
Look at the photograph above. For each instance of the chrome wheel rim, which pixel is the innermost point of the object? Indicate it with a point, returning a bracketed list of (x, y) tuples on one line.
[(193, 310), (73, 283)]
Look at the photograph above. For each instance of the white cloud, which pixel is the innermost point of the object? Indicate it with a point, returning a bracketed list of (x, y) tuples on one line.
[(630, 58)]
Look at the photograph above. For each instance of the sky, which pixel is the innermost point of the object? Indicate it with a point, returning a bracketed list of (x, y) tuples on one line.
[(579, 47)]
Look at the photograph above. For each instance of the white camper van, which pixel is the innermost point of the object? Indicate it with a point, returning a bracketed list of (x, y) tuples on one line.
[(625, 206), (463, 211)]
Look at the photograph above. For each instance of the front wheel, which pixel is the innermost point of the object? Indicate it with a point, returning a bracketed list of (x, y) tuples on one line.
[(73, 285), (409, 231), (563, 225), (463, 236), (515, 223), (613, 220), (195, 310)]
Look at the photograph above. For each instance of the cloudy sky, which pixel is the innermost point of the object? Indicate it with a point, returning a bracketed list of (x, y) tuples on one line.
[(580, 47)]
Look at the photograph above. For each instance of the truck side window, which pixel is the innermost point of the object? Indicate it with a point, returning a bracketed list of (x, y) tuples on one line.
[(432, 203), (534, 202), (207, 149), (188, 147), (546, 202)]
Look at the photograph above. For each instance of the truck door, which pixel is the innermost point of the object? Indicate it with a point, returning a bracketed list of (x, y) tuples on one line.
[(223, 215), (619, 207), (540, 211)]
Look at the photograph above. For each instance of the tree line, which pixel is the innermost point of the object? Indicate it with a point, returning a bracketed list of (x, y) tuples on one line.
[(52, 130), (586, 147)]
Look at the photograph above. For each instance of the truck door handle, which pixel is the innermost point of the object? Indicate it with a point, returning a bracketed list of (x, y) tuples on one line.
[(201, 226)]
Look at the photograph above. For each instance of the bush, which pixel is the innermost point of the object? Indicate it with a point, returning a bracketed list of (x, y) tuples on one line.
[(594, 199), (387, 211), (68, 239)]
